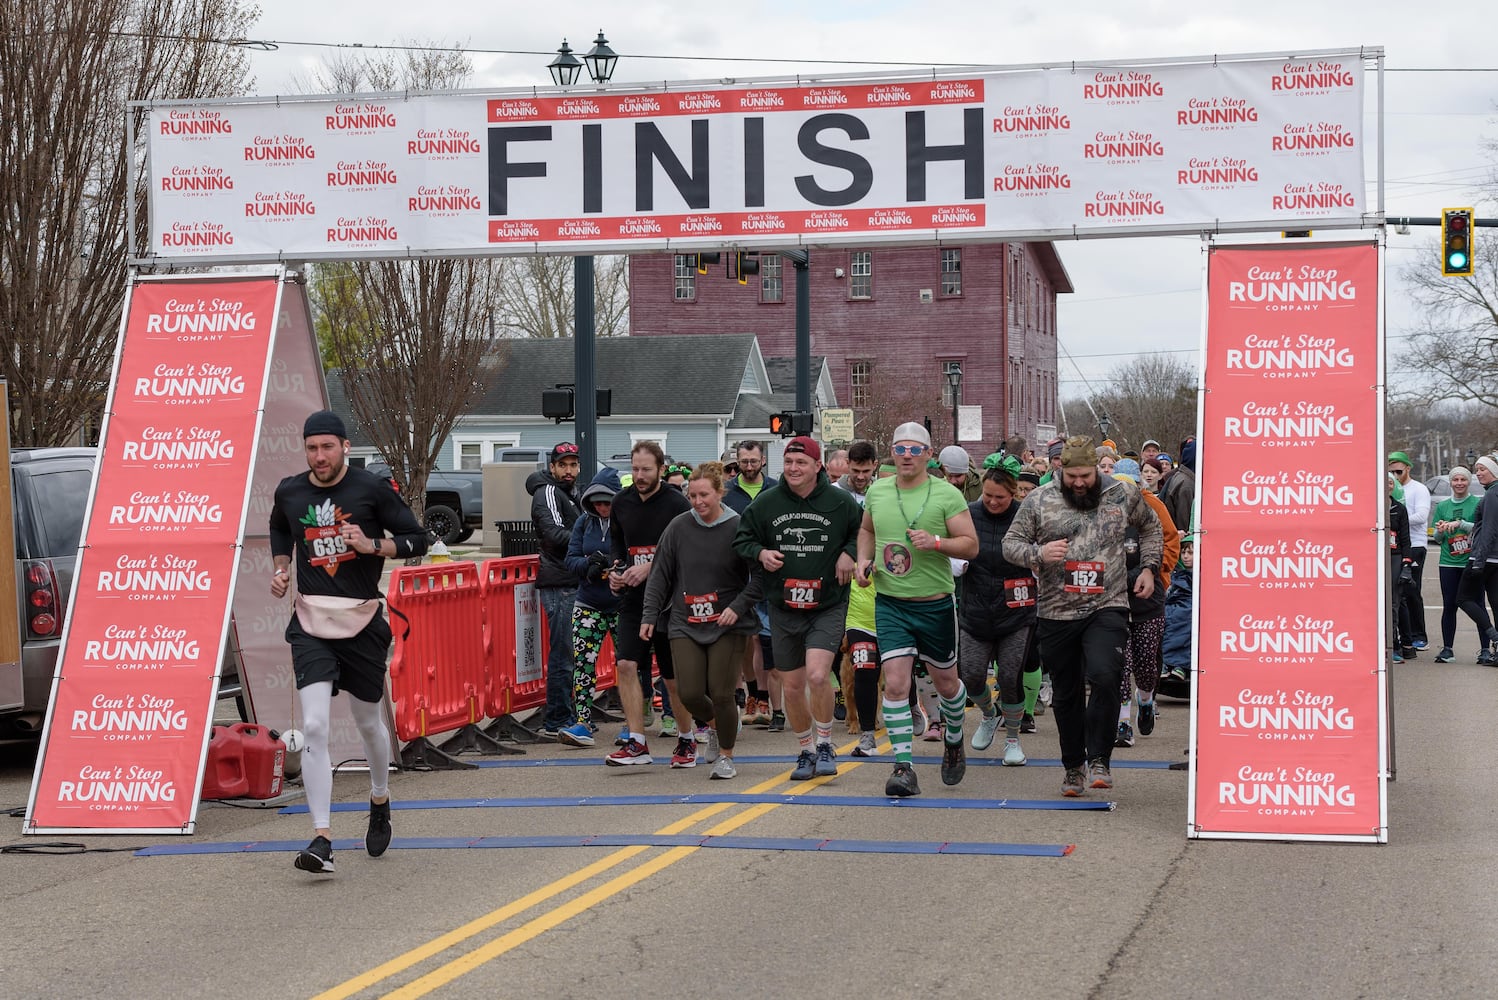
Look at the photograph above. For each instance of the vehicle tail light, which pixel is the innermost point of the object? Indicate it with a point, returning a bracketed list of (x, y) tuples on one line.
[(43, 616)]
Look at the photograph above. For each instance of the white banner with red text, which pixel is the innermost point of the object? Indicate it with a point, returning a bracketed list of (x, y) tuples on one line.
[(1218, 143), (1288, 727)]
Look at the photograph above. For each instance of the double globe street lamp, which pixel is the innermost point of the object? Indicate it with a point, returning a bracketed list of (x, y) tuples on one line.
[(565, 69)]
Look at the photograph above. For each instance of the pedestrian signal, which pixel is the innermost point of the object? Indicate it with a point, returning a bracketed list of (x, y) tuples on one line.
[(1456, 242), (780, 424)]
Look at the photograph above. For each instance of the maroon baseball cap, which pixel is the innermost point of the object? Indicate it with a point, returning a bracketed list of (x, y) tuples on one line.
[(804, 446)]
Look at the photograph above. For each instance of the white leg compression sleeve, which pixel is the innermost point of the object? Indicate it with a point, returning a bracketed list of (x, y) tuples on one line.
[(317, 767), (371, 722)]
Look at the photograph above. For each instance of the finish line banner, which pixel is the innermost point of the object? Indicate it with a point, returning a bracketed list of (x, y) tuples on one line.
[(1287, 711), (1223, 143), (137, 674)]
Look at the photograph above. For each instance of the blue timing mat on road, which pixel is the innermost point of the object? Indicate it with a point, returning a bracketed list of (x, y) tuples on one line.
[(633, 840), (1155, 765), (704, 798)]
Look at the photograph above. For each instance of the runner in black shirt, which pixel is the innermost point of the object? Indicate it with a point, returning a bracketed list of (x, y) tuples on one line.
[(333, 520)]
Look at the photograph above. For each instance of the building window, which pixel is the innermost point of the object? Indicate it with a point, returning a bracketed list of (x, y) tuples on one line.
[(860, 373), (771, 282), (686, 277), (949, 398), (471, 455), (951, 272), (861, 274)]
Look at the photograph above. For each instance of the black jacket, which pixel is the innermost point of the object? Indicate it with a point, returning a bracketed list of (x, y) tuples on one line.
[(996, 597), (553, 512)]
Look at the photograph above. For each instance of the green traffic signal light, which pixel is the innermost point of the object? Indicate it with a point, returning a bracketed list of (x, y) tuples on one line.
[(1456, 242)]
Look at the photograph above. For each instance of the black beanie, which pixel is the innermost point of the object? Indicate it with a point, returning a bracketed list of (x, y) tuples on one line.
[(324, 422)]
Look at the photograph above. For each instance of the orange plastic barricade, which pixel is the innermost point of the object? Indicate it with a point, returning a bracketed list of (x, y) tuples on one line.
[(608, 671), (514, 644), (437, 677)]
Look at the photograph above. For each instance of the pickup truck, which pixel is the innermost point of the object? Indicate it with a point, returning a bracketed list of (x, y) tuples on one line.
[(455, 501)]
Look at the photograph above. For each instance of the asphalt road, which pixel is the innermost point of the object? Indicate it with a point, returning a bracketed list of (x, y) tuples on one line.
[(1134, 910)]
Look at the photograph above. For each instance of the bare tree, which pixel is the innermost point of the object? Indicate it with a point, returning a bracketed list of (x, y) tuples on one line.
[(896, 396), (1149, 396), (538, 295), (411, 336), (1452, 352), (67, 69)]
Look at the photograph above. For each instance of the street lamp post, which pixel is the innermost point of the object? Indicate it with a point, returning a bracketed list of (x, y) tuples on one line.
[(565, 69), (954, 381), (1105, 425)]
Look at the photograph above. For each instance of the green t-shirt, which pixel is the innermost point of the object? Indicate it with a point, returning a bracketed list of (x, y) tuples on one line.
[(1456, 545), (901, 569), (752, 488)]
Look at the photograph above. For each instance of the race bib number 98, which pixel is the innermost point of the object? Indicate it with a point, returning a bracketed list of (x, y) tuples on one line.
[(1019, 593), (1083, 577)]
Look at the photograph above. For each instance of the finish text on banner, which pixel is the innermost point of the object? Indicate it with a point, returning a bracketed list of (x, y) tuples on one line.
[(133, 697), (1287, 702)]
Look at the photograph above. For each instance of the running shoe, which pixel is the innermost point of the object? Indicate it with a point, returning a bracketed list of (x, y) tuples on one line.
[(723, 769), (685, 754), (901, 782), (576, 735), (933, 733), (622, 738), (1445, 655), (649, 713), (1074, 783), (826, 761), (633, 752), (1102, 776), (777, 722), (1146, 717), (1485, 658), (700, 734), (711, 752), (316, 857), (868, 746), (983, 735), (1027, 723), (1013, 755), (549, 731), (1125, 736), (1046, 693), (806, 766), (377, 837), (840, 708), (668, 727), (1420, 644), (953, 763), (1397, 658)]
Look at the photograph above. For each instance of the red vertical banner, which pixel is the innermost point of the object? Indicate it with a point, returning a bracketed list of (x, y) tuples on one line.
[(133, 696), (1288, 722)]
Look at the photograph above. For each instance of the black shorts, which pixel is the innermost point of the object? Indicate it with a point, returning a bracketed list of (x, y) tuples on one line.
[(636, 650), (355, 665), (795, 632)]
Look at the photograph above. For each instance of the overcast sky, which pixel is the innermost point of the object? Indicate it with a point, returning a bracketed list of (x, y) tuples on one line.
[(1130, 294)]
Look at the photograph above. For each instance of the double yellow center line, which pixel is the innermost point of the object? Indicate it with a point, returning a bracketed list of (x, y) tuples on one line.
[(533, 928)]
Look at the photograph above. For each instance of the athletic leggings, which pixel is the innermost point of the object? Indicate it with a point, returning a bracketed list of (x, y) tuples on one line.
[(589, 627), (1451, 585), (317, 766), (863, 653), (706, 677), (1142, 657), (1007, 653)]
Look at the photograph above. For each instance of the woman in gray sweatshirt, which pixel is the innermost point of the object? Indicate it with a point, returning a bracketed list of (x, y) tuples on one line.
[(711, 592)]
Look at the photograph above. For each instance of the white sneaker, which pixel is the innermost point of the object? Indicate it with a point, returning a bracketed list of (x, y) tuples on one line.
[(724, 769), (983, 735), (709, 753), (1043, 696), (868, 746), (1013, 755)]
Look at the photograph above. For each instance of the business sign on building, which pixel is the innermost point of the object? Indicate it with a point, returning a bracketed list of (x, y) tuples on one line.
[(1221, 143), (1288, 723)]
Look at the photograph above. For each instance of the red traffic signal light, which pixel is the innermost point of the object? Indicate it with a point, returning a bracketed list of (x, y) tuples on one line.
[(780, 424), (1456, 242)]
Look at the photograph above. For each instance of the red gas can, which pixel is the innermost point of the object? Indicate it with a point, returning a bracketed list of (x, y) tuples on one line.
[(264, 760), (224, 777)]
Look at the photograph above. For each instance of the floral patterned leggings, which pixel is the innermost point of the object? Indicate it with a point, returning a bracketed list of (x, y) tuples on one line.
[(1142, 657), (588, 630)]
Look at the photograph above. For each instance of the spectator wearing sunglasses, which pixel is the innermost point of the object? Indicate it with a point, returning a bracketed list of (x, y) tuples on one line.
[(553, 512)]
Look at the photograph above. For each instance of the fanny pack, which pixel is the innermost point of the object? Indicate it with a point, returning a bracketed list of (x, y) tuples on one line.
[(329, 617)]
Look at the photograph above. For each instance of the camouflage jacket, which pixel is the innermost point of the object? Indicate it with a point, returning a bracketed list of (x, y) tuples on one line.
[(1095, 574)]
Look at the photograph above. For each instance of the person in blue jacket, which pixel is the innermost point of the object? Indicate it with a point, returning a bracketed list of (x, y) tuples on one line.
[(595, 612), (1175, 651)]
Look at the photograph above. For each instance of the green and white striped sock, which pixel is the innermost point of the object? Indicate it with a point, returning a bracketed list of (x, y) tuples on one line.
[(951, 714), (899, 727)]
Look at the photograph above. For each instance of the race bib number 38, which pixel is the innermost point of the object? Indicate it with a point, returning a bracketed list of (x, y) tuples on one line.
[(1083, 577), (803, 595)]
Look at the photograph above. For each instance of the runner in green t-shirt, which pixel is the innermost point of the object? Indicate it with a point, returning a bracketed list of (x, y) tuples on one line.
[(1452, 522), (914, 524)]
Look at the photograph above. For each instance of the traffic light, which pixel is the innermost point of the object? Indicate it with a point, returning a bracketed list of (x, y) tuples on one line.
[(1456, 242), (748, 263), (792, 424), (704, 259)]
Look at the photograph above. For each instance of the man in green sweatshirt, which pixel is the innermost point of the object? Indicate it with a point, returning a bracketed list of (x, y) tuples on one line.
[(803, 533)]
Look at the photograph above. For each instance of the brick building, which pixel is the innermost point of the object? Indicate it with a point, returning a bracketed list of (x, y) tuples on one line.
[(889, 322)]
